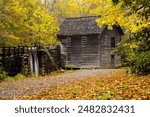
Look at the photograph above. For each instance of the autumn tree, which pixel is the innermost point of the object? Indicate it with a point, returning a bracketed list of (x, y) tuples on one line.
[(72, 8), (133, 15), (26, 22), (135, 46)]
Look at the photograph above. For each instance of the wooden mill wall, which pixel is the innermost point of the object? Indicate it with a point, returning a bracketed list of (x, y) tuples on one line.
[(98, 52), (106, 50), (80, 56)]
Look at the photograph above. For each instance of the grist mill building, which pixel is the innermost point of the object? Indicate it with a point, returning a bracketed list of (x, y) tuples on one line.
[(85, 45)]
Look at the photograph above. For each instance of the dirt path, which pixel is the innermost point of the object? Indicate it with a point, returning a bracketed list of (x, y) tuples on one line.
[(29, 86)]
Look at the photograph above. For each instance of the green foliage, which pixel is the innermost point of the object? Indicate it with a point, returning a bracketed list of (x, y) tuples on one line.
[(105, 96), (19, 77), (135, 49), (14, 78), (3, 74), (141, 64), (125, 85), (9, 79)]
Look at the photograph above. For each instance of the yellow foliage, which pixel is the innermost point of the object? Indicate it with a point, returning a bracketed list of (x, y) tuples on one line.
[(27, 19), (112, 14), (133, 46)]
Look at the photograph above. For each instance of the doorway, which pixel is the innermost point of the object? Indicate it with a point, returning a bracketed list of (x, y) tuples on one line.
[(112, 61)]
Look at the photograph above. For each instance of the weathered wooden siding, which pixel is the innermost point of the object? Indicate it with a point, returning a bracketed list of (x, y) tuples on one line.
[(106, 50), (76, 51), (90, 53), (98, 51), (81, 56)]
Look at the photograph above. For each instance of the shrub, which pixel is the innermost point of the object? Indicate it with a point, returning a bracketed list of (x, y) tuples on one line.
[(135, 50), (19, 77), (3, 74)]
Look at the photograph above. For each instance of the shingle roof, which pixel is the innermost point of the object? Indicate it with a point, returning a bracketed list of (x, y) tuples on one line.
[(80, 26)]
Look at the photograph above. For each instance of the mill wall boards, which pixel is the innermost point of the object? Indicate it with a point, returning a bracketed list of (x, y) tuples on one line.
[(85, 45)]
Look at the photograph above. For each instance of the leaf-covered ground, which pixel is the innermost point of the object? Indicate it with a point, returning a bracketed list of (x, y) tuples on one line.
[(117, 86)]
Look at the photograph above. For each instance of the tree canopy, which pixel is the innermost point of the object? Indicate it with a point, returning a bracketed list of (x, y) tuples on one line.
[(134, 16), (26, 22)]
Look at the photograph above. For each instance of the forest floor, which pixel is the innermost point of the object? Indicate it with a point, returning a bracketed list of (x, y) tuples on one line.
[(80, 84)]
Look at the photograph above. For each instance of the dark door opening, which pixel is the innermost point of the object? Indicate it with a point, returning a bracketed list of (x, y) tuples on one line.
[(112, 61)]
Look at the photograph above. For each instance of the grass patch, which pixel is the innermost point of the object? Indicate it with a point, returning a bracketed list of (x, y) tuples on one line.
[(58, 72), (125, 85), (105, 96), (9, 79), (3, 76), (17, 77)]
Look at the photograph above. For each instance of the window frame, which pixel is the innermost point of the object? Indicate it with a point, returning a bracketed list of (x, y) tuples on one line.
[(113, 42), (84, 41), (68, 41), (105, 40)]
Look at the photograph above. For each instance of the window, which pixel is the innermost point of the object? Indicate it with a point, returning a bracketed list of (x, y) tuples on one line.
[(68, 41), (84, 41), (64, 42), (112, 41)]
